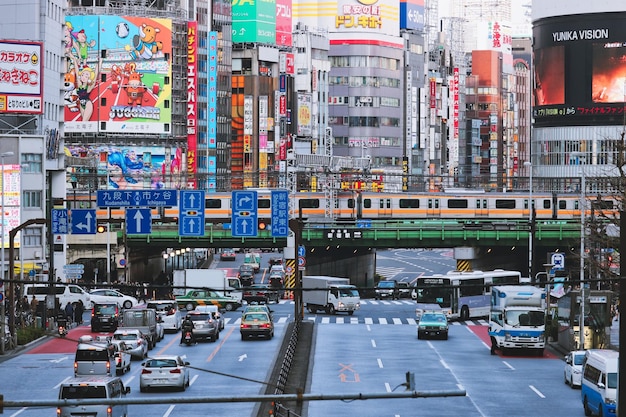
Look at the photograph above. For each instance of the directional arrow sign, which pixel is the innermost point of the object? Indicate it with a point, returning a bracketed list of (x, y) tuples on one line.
[(244, 214), (191, 207), (138, 221), (83, 221)]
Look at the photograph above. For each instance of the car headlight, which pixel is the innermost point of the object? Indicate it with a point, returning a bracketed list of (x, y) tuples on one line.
[(609, 401)]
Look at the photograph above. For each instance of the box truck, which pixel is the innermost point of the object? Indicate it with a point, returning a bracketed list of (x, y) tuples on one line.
[(212, 279), (330, 294)]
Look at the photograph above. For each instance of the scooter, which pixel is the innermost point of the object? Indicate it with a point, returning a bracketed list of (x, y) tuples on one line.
[(62, 328), (188, 338)]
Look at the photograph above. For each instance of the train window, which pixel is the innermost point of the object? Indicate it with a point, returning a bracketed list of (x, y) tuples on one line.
[(484, 204), (309, 203), (478, 203), (381, 203), (602, 204), (547, 204), (367, 203), (351, 203), (213, 203), (562, 204), (505, 204), (263, 203), (457, 203), (409, 203)]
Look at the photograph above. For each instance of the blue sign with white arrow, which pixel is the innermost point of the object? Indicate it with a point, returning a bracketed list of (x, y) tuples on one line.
[(138, 221), (191, 208), (244, 214), (83, 221)]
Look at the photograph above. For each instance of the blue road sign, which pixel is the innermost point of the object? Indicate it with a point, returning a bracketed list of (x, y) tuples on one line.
[(244, 214), (301, 251), (83, 221), (138, 221), (60, 223), (191, 208), (136, 198), (280, 213)]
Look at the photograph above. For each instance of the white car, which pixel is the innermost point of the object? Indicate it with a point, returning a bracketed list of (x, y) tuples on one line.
[(572, 374), (136, 344), (168, 313), (105, 295), (164, 371)]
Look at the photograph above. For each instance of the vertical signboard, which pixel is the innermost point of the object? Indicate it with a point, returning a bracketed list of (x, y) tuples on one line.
[(192, 106), (304, 115), (283, 23), (10, 188), (212, 87), (21, 79)]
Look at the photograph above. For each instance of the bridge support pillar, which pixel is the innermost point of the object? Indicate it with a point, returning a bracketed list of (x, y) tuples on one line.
[(464, 257)]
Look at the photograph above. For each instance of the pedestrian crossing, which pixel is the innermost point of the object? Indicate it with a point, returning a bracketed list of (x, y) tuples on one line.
[(388, 272), (344, 319)]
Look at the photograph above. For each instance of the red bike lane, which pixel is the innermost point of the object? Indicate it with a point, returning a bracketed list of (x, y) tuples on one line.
[(483, 334)]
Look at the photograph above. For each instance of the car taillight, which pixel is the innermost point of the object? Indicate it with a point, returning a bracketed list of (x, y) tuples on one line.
[(145, 371), (265, 325), (244, 326), (75, 366), (118, 360), (108, 367), (139, 342), (109, 411), (175, 371)]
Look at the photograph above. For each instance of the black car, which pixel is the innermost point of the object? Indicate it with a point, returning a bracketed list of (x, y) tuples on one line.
[(387, 289), (246, 275), (104, 317)]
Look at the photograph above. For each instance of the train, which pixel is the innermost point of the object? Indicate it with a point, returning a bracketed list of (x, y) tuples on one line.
[(354, 205)]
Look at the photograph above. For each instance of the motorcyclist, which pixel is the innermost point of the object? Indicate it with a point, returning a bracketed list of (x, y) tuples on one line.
[(187, 326)]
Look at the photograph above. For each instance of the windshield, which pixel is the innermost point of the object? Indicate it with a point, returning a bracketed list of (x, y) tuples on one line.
[(579, 359), (434, 295), (129, 336), (386, 284), (348, 292), (525, 318)]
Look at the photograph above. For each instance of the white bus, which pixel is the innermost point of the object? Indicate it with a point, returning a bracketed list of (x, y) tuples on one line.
[(463, 295)]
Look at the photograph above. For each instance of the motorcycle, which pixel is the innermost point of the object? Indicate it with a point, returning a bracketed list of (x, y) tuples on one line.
[(188, 338), (62, 327)]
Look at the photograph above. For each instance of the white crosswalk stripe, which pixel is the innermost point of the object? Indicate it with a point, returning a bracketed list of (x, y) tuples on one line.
[(388, 271), (322, 319)]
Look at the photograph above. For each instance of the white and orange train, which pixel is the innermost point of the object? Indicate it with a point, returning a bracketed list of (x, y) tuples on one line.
[(396, 206)]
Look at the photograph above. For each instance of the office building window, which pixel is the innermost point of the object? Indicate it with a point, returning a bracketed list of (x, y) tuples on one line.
[(32, 236), (31, 199), (31, 162)]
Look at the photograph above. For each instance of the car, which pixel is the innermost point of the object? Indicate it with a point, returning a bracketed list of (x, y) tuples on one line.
[(121, 356), (572, 374), (254, 260), (275, 260), (387, 289), (432, 323), (404, 289), (246, 274), (168, 313), (205, 327), (164, 371), (259, 293), (277, 269), (228, 255), (252, 308), (276, 282), (256, 324), (104, 295), (104, 316), (215, 312), (136, 343), (195, 298)]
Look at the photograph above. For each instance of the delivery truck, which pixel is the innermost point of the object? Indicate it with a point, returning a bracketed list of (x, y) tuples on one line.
[(330, 294), (212, 279)]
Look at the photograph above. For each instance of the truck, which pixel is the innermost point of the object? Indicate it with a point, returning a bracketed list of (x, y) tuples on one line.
[(517, 318), (212, 279), (330, 294), (144, 320)]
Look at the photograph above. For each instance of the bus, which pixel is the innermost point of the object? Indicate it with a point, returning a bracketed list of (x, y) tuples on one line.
[(461, 294)]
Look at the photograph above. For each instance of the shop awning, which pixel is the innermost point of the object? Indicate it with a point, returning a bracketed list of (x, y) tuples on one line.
[(28, 266)]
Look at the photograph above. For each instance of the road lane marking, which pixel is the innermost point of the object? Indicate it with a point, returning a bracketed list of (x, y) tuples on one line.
[(339, 320), (387, 387), (368, 320), (20, 411), (56, 387), (397, 321), (382, 320), (373, 343), (509, 365), (193, 379), (380, 363), (169, 411), (537, 391), (221, 343)]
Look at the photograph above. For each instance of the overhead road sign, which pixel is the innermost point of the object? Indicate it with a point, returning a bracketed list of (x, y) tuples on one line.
[(83, 221), (60, 221), (136, 198), (191, 208), (280, 213), (244, 214), (138, 221)]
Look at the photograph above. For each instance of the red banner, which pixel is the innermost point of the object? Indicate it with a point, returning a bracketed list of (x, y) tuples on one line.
[(192, 107)]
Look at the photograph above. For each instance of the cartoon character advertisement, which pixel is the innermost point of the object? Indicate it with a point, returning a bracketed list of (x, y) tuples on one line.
[(136, 167), (118, 74)]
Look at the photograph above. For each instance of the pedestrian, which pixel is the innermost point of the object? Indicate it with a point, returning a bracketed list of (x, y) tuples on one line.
[(79, 308), (69, 312), (34, 305)]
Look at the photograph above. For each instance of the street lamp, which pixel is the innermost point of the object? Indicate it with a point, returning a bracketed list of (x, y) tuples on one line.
[(2, 313), (531, 227)]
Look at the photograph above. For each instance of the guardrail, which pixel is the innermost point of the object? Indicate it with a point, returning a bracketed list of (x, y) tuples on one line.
[(285, 369)]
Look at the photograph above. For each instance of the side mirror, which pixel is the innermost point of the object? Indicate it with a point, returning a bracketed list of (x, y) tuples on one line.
[(127, 390), (187, 364)]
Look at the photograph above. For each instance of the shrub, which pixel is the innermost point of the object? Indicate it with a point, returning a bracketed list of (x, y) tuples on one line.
[(28, 334)]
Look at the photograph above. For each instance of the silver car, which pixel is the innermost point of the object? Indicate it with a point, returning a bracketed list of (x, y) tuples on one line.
[(136, 344), (215, 312), (164, 371), (168, 313), (204, 326)]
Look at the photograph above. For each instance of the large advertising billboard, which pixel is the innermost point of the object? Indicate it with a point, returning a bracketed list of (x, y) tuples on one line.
[(412, 14), (254, 21), (580, 70), (21, 77), (118, 74)]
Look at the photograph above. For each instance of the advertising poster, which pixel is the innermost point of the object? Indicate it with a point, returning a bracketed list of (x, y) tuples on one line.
[(117, 74), (21, 77)]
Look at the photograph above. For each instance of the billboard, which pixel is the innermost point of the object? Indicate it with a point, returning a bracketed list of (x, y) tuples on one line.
[(580, 70), (412, 14), (192, 105), (283, 23), (21, 77), (117, 75), (135, 167), (254, 21)]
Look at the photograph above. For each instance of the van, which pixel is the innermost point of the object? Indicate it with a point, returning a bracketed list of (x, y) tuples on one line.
[(599, 382), (92, 358), (105, 388), (145, 320), (64, 293)]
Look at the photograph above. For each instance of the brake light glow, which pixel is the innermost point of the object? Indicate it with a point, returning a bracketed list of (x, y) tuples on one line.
[(175, 371), (145, 371)]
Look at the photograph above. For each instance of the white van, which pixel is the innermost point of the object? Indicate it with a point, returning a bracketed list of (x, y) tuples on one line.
[(599, 382), (92, 358), (104, 387), (64, 293)]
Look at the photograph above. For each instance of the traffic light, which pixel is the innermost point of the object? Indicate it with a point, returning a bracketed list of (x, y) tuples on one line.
[(101, 229), (264, 224)]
